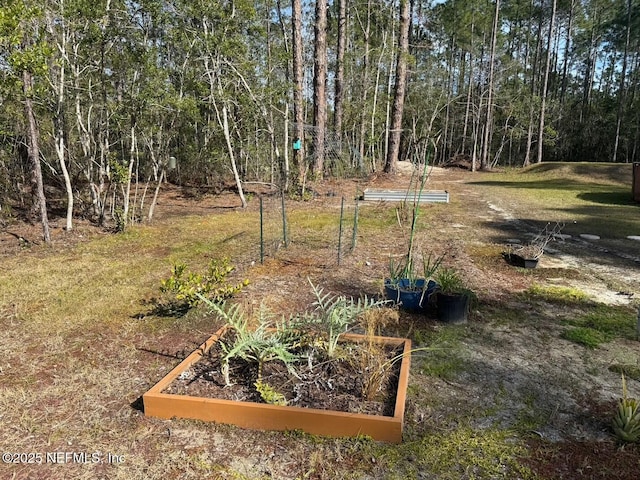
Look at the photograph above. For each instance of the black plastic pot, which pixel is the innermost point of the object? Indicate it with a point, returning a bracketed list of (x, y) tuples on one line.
[(410, 297), (452, 308), (519, 261)]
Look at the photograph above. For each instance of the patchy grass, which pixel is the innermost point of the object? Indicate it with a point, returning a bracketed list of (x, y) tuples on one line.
[(601, 324), (445, 357), (587, 197), (585, 336), (463, 452), (555, 294), (629, 371)]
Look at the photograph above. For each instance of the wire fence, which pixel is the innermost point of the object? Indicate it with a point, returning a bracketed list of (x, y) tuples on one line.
[(340, 158)]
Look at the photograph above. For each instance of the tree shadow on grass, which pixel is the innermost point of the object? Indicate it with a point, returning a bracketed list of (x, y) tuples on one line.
[(609, 198)]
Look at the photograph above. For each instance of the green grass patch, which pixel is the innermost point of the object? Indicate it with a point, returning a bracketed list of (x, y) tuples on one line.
[(601, 324), (461, 453), (585, 336), (629, 371), (555, 294), (445, 357)]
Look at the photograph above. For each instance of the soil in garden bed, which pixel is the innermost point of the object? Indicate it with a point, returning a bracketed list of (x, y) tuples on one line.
[(335, 384)]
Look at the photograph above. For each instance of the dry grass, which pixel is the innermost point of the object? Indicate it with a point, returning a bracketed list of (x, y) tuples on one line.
[(80, 346)]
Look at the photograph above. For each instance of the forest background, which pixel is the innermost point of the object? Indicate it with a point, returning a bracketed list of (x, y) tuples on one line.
[(103, 100)]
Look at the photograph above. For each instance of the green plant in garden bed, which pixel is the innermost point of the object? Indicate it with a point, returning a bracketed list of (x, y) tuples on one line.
[(310, 336), (267, 342), (333, 316)]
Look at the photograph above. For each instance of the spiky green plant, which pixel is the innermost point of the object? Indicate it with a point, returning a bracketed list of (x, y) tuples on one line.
[(269, 341), (335, 314), (626, 422)]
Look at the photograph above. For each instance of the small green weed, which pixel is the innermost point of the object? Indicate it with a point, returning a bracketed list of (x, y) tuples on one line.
[(269, 394)]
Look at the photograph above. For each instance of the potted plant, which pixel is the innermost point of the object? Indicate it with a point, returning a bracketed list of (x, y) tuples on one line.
[(527, 256), (405, 286), (408, 289), (453, 298)]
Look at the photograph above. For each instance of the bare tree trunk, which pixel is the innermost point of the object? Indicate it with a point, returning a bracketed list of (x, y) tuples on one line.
[(400, 89), (154, 202), (298, 99), (387, 116), (545, 82), (486, 150), (339, 84), (621, 90), (58, 79), (40, 201), (366, 31), (61, 148), (227, 136), (319, 88), (567, 46)]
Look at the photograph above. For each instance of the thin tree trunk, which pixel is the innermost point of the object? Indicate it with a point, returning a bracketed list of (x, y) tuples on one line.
[(365, 84), (545, 82), (61, 147), (339, 83), (298, 85), (132, 157), (621, 90), (400, 89), (486, 150), (234, 168), (154, 202), (567, 46), (319, 88), (40, 201)]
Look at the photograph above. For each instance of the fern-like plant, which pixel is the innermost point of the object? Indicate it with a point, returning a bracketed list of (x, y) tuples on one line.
[(335, 314), (626, 422), (269, 341)]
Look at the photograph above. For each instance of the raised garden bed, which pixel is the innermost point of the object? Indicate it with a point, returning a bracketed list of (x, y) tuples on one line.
[(178, 394)]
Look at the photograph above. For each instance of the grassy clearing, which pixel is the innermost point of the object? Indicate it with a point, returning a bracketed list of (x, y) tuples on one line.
[(588, 198)]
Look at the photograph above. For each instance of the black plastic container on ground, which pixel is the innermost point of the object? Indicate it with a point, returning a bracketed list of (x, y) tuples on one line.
[(411, 298), (519, 261), (453, 308)]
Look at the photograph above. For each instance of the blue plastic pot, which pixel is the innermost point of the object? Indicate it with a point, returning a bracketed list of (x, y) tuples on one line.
[(410, 296)]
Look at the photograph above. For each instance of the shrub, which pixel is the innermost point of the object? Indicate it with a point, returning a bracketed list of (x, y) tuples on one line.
[(189, 287)]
